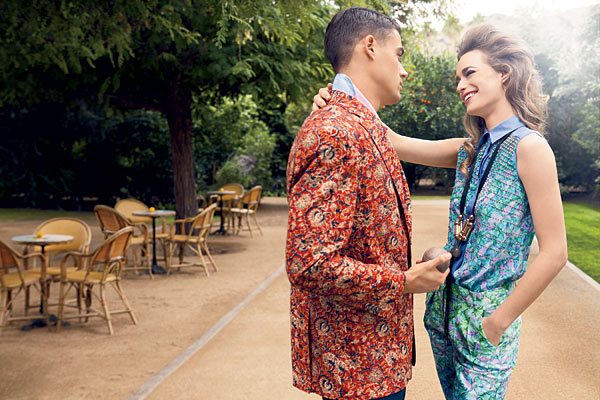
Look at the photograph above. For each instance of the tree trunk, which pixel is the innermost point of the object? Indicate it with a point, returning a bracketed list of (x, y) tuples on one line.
[(179, 116)]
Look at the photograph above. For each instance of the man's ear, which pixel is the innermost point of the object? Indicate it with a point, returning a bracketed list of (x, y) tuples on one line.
[(369, 44)]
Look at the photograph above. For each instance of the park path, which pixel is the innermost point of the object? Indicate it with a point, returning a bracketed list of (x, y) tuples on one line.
[(249, 357)]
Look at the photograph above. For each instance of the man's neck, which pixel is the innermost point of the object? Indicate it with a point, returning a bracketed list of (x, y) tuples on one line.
[(362, 83)]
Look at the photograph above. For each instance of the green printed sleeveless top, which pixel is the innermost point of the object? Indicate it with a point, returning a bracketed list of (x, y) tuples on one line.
[(496, 252)]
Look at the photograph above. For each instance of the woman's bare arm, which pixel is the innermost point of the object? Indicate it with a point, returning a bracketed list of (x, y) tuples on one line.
[(537, 170), (435, 153)]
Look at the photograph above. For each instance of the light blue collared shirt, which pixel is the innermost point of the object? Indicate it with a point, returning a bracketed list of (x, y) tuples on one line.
[(343, 83)]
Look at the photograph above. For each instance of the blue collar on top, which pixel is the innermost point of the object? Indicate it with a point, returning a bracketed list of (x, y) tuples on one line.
[(508, 125)]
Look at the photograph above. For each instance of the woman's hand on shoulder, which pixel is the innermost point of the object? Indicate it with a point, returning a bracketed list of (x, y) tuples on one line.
[(320, 100)]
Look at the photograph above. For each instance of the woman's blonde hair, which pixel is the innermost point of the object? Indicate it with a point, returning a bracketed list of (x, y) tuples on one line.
[(523, 86)]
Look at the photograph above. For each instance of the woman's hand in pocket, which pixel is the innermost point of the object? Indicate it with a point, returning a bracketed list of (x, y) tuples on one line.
[(491, 331)]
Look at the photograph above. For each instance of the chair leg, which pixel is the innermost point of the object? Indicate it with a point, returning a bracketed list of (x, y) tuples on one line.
[(79, 289), (26, 300), (134, 257), (170, 259), (257, 224), (61, 306), (119, 290), (239, 224), (105, 308), (88, 301), (146, 248), (3, 308), (205, 247), (248, 223), (45, 292), (181, 252), (199, 251)]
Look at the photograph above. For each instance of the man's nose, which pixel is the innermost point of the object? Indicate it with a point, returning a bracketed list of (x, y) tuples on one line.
[(403, 72)]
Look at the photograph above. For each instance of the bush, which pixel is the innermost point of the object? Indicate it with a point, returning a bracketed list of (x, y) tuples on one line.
[(249, 162)]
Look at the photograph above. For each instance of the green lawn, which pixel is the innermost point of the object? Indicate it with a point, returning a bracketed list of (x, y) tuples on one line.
[(583, 237), (31, 214)]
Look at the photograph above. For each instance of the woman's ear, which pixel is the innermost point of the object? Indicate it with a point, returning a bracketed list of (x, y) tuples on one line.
[(505, 75)]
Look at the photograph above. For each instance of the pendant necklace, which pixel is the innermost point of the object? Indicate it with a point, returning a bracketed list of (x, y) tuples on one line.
[(464, 224)]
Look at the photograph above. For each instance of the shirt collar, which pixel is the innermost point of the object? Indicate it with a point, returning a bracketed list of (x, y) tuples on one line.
[(506, 126), (343, 83)]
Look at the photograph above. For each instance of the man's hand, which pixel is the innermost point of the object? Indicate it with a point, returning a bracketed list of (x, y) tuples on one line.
[(425, 277), (320, 99)]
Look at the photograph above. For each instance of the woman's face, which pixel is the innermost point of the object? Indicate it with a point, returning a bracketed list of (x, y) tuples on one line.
[(479, 85)]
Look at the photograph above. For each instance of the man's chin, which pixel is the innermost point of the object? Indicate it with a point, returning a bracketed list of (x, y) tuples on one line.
[(392, 101)]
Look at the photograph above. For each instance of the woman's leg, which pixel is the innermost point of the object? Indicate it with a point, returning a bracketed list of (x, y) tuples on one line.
[(482, 369), (443, 352)]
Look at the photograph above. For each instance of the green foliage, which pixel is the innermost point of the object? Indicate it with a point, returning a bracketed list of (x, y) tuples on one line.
[(56, 157), (231, 172), (72, 71), (588, 136), (583, 235), (256, 153), (429, 108), (248, 146)]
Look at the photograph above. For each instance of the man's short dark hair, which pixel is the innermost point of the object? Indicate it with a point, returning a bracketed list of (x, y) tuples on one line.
[(347, 27)]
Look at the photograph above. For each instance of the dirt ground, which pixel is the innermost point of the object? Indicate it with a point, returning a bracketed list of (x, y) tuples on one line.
[(250, 357)]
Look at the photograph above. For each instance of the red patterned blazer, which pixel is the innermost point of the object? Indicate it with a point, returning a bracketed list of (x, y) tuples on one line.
[(348, 244)]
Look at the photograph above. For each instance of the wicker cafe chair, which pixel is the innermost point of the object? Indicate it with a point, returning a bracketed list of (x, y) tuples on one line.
[(194, 239), (111, 220), (104, 266), (248, 206), (128, 206), (80, 231), (229, 201), (201, 202), (15, 277)]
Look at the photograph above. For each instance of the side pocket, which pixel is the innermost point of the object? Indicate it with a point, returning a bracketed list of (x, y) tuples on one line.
[(485, 342)]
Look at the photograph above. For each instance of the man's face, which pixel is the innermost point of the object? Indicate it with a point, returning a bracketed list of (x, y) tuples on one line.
[(388, 69)]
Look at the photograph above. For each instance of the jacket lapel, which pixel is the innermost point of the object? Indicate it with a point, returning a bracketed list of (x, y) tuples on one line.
[(377, 132)]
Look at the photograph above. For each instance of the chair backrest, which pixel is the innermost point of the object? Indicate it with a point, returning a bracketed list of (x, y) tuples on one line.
[(127, 206), (67, 226), (202, 222), (201, 201), (251, 199), (235, 187), (109, 219), (9, 260), (113, 249)]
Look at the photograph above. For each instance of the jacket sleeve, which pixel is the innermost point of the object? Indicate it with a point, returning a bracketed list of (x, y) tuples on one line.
[(322, 197)]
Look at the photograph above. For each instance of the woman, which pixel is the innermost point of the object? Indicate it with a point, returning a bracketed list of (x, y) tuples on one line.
[(506, 188)]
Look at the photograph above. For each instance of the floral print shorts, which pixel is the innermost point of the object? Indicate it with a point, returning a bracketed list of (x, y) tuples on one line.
[(468, 365)]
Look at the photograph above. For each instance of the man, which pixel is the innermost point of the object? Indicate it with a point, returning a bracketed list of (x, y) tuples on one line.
[(348, 244)]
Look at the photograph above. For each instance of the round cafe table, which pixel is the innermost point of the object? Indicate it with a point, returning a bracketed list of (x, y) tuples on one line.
[(156, 269), (43, 241), (220, 194)]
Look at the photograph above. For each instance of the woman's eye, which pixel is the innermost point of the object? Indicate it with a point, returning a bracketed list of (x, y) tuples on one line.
[(469, 72)]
